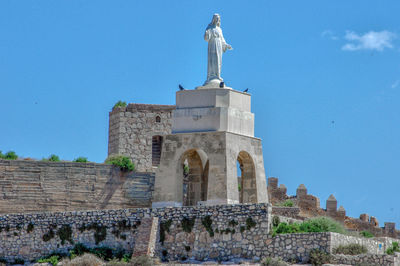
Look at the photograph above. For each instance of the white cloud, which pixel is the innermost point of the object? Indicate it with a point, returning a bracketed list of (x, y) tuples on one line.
[(369, 41), (395, 84), (329, 34)]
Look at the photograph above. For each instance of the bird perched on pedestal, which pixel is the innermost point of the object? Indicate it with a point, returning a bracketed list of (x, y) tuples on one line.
[(181, 88), (246, 90)]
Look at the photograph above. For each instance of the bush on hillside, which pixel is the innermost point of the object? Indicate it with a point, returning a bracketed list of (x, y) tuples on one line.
[(350, 249), (313, 225), (322, 224), (84, 260), (81, 160), (273, 262), (393, 248), (319, 257), (366, 234), (119, 104), (288, 203), (123, 162)]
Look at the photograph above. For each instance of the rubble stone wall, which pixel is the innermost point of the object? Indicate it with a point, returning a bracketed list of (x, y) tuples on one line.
[(121, 226), (132, 128)]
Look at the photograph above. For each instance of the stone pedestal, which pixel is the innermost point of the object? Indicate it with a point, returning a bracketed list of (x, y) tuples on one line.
[(213, 110), (212, 131)]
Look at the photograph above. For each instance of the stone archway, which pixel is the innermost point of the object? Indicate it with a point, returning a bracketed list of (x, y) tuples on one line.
[(248, 184), (194, 171)]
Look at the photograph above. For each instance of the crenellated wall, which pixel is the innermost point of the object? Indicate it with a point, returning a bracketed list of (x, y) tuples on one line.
[(308, 206), (33, 186)]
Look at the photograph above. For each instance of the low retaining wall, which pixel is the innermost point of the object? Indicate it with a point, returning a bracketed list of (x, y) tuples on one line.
[(298, 246), (23, 235), (367, 259), (374, 246), (223, 232)]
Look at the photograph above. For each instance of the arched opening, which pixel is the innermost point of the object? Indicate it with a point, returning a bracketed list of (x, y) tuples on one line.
[(156, 150), (247, 186), (158, 119), (194, 165)]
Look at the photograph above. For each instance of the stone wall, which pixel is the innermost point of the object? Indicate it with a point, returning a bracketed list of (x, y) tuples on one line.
[(367, 259), (235, 231), (224, 232), (132, 128), (33, 186), (309, 206), (121, 227), (298, 246), (292, 212)]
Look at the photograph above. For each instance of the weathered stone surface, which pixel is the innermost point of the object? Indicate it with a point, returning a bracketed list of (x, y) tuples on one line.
[(136, 235), (219, 153), (132, 128), (32, 186)]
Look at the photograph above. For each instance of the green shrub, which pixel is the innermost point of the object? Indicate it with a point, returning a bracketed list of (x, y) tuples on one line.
[(164, 227), (250, 223), (49, 235), (19, 261), (81, 160), (366, 234), (119, 104), (314, 225), (287, 203), (30, 227), (393, 248), (53, 260), (350, 249), (322, 224), (275, 221), (52, 158), (187, 224), (123, 162), (11, 155), (273, 262), (79, 249), (65, 233), (319, 257), (207, 222)]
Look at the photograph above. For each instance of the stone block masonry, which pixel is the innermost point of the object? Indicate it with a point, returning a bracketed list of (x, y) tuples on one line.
[(34, 186), (220, 233), (136, 131), (22, 235)]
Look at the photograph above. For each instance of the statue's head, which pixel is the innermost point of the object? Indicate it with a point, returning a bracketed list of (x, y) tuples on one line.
[(216, 20)]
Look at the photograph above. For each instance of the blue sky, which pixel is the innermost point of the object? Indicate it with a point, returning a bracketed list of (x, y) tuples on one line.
[(324, 76)]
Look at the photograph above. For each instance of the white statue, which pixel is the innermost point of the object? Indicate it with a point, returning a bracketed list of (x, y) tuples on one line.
[(216, 46)]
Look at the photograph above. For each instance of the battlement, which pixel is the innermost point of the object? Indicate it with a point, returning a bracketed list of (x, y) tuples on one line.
[(309, 206), (140, 107)]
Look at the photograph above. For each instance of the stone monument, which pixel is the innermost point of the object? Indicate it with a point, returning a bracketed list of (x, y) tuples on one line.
[(212, 136)]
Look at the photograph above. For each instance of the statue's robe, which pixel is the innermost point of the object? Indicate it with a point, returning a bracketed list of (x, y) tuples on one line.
[(216, 47)]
